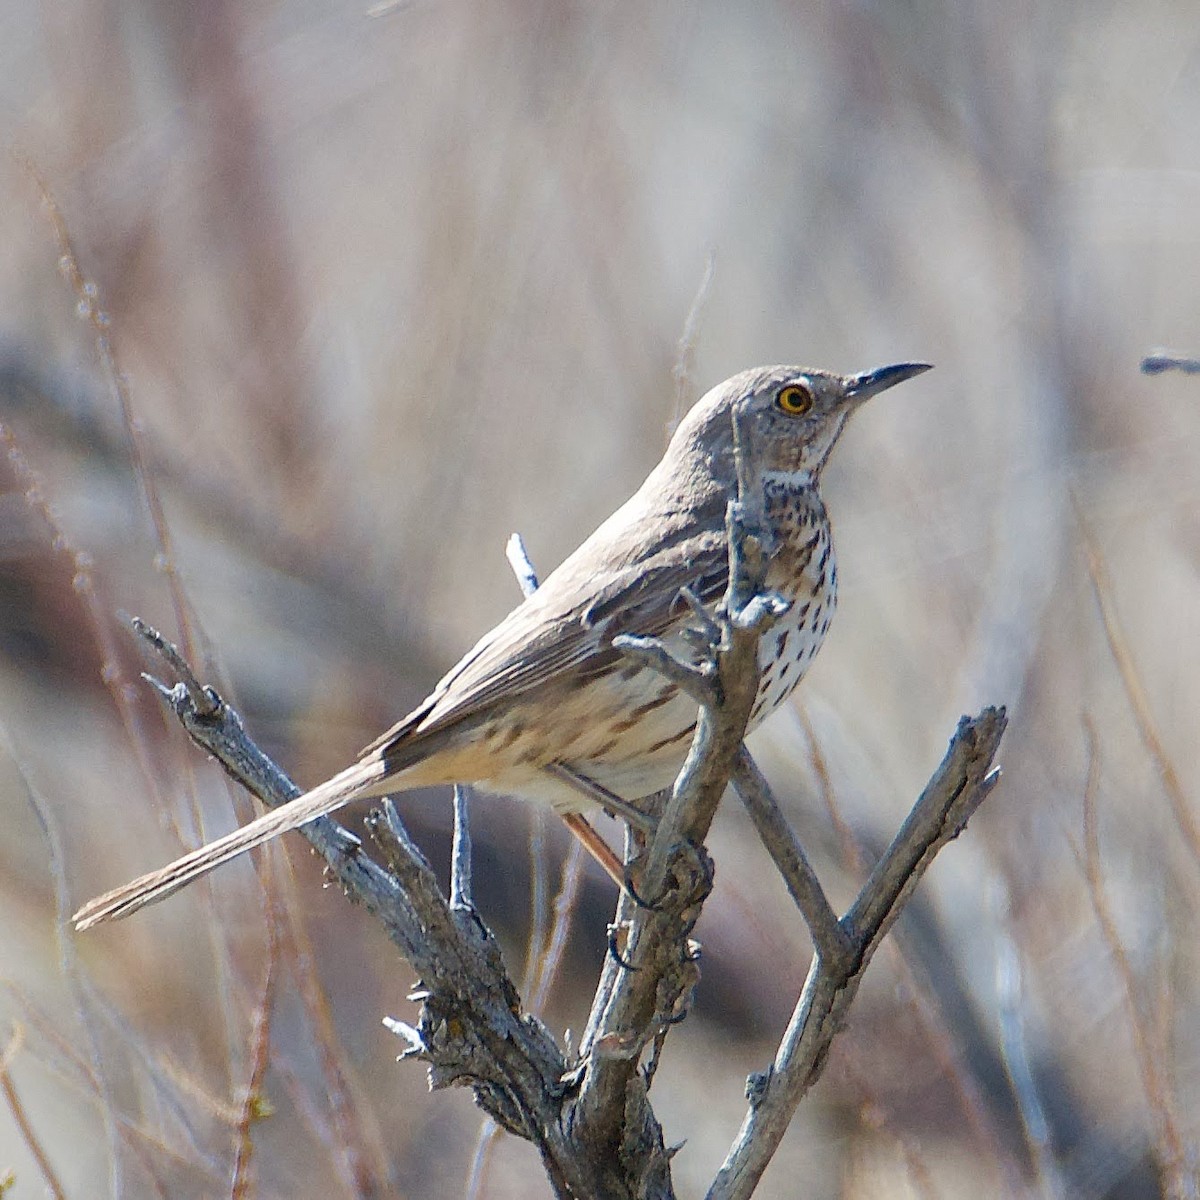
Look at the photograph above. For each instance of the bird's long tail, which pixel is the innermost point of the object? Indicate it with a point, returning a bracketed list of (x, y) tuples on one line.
[(361, 779)]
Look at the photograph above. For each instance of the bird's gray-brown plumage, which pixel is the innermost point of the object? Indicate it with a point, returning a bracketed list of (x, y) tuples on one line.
[(544, 706)]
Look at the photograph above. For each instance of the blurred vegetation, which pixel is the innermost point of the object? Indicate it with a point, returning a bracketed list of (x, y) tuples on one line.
[(384, 284)]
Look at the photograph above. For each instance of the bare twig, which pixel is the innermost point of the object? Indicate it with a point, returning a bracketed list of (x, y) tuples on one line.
[(68, 1064), (697, 682), (539, 895), (97, 617), (848, 845), (89, 307), (1163, 360), (204, 700), (485, 1143), (874, 1115), (460, 854), (956, 790), (523, 568), (829, 939)]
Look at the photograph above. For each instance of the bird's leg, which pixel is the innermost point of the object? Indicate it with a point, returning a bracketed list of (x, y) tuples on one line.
[(597, 793), (596, 846), (592, 842)]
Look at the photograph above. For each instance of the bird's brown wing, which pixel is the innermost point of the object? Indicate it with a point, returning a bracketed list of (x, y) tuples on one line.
[(567, 626)]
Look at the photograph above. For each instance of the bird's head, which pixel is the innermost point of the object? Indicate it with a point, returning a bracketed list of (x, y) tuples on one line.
[(789, 417)]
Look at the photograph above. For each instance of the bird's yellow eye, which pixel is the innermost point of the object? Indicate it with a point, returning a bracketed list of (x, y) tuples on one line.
[(794, 400)]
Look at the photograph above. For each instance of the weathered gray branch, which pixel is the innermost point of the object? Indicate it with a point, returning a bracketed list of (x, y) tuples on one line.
[(471, 1029), (591, 1118)]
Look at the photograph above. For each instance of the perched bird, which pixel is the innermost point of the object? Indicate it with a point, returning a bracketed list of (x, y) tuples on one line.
[(544, 706)]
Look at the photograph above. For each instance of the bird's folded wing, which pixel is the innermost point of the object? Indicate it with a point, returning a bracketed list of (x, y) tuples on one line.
[(567, 626)]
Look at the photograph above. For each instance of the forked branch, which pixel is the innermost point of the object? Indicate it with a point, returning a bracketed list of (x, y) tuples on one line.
[(590, 1115)]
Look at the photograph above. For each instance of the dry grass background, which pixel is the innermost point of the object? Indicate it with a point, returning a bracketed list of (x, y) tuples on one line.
[(385, 284)]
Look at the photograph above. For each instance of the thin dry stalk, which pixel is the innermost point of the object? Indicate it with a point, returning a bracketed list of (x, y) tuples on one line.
[(88, 306), (556, 945), (1169, 1144), (876, 1118), (164, 1069), (947, 1054), (21, 1118), (68, 960), (685, 353), (253, 1105), (546, 947), (539, 897), (146, 1145), (83, 583), (1118, 646), (360, 1146)]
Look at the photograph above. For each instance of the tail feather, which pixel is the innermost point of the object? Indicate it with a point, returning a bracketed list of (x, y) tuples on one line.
[(359, 780)]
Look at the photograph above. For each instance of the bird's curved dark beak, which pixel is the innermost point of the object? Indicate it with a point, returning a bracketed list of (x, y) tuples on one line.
[(870, 383)]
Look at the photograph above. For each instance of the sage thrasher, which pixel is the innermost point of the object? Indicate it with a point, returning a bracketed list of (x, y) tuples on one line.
[(544, 706)]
